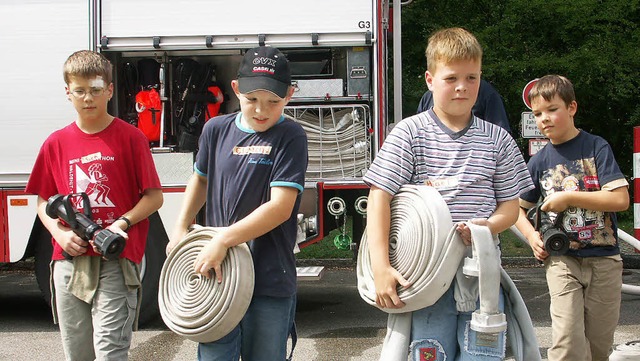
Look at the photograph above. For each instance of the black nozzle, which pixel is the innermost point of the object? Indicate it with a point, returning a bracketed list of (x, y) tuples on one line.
[(109, 244), (555, 240)]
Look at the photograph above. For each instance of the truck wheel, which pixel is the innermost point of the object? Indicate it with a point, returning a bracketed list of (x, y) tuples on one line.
[(151, 266), (43, 251)]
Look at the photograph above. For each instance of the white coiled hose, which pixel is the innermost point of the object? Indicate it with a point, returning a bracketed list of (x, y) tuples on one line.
[(419, 217), (200, 308), (425, 248), (338, 141)]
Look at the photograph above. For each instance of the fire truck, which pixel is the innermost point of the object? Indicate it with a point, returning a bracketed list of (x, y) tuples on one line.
[(173, 63)]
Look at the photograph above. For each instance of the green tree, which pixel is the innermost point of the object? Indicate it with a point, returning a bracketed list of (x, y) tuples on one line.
[(593, 43)]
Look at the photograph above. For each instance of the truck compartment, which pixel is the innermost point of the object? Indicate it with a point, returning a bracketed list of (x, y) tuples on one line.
[(175, 92)]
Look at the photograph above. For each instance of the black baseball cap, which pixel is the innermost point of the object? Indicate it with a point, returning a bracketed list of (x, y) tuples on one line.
[(264, 68)]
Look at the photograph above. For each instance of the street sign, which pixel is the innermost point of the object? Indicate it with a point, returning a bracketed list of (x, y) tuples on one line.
[(525, 92), (536, 144), (529, 127)]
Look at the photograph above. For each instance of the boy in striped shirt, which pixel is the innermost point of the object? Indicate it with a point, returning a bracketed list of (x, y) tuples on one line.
[(477, 168)]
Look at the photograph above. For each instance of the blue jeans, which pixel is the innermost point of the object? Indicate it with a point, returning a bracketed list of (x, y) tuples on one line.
[(261, 335), (440, 332)]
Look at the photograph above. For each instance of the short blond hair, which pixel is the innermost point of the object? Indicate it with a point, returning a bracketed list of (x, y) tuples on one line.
[(450, 45), (551, 85), (87, 64)]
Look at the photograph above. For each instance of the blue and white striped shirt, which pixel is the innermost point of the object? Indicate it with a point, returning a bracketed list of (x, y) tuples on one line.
[(473, 169)]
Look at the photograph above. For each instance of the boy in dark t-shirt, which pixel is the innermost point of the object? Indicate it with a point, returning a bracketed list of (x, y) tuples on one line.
[(250, 171), (579, 181)]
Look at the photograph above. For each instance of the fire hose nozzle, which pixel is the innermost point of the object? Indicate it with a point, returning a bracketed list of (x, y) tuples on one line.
[(109, 244)]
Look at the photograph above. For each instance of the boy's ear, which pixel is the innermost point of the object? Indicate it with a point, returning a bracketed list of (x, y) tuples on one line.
[(573, 108), (234, 86), (290, 90), (428, 79)]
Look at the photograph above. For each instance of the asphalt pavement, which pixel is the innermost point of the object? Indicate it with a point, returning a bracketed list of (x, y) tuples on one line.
[(333, 322)]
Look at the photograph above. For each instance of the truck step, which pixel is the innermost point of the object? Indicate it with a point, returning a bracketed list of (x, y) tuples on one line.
[(313, 273)]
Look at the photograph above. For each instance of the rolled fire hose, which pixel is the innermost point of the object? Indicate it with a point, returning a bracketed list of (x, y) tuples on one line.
[(426, 250), (200, 308), (338, 145), (417, 213)]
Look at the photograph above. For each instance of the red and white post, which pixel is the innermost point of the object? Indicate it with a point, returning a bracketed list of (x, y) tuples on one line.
[(636, 182)]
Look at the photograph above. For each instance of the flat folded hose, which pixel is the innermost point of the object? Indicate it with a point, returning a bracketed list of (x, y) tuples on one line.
[(200, 308)]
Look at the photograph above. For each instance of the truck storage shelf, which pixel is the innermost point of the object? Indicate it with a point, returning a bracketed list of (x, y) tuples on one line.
[(317, 100)]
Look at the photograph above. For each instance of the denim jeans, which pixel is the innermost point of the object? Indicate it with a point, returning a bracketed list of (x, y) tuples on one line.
[(439, 332), (261, 335)]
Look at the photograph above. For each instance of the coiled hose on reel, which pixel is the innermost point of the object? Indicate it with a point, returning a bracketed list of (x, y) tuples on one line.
[(337, 140)]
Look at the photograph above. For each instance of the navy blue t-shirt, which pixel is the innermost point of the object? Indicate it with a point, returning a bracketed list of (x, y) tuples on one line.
[(241, 166), (585, 163)]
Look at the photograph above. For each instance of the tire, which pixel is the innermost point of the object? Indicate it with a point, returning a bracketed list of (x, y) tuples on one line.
[(41, 248), (151, 266), (42, 253)]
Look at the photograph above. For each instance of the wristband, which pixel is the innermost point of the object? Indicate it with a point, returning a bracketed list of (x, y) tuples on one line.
[(123, 218)]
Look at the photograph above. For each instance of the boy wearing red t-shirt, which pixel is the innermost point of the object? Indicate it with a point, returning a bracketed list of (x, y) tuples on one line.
[(94, 299)]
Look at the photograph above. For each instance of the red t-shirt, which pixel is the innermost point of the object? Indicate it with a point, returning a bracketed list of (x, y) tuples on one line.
[(113, 167)]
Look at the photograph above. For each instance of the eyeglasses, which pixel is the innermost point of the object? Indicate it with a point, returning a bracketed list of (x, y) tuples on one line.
[(81, 93)]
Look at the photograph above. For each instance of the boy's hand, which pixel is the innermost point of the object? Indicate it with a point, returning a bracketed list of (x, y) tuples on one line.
[(176, 237), (556, 202), (385, 283), (537, 246), (115, 229), (70, 242), (464, 231), (211, 256)]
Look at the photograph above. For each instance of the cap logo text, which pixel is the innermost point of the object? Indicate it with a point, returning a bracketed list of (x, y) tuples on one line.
[(264, 61), (263, 69)]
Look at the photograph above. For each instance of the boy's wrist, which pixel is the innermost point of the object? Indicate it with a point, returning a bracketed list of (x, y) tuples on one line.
[(126, 222)]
